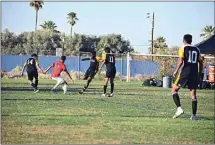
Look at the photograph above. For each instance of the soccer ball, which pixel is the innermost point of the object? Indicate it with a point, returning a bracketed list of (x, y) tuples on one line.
[(65, 87)]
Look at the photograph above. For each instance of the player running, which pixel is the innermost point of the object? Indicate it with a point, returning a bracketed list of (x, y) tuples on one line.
[(109, 60), (91, 71), (189, 57), (59, 66), (32, 64)]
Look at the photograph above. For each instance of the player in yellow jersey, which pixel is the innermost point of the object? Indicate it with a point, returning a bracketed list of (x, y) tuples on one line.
[(189, 58)]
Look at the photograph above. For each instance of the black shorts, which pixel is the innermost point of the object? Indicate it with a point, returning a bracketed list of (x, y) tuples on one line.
[(89, 73), (32, 75), (111, 72), (190, 82)]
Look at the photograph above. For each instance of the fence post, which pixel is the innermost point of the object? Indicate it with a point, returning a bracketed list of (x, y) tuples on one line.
[(121, 66), (79, 66), (128, 67)]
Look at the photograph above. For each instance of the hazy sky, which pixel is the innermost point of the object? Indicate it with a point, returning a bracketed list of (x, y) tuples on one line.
[(172, 19)]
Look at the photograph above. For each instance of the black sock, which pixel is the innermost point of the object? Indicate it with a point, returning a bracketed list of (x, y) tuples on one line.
[(112, 88), (194, 106), (36, 84), (105, 88), (33, 85), (176, 99)]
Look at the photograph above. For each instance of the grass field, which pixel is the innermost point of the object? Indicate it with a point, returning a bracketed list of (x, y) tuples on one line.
[(135, 114)]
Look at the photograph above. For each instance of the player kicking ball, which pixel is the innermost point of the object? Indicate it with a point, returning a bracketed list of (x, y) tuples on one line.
[(109, 60), (31, 66), (58, 67), (189, 57), (91, 71)]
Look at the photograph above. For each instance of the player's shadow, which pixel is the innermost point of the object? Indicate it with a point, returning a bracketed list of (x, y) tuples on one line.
[(167, 116)]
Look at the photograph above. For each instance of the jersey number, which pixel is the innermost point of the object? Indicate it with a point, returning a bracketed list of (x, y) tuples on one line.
[(111, 59), (192, 57), (31, 61)]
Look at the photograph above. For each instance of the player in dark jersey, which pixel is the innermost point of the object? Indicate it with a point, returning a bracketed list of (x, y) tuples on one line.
[(109, 60), (31, 66), (92, 70), (189, 58)]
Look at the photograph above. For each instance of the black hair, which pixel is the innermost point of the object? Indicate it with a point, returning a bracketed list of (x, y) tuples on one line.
[(63, 58), (107, 49), (188, 38), (34, 55)]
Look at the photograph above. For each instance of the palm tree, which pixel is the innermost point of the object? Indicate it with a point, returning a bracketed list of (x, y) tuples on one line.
[(49, 25), (208, 31), (37, 5), (159, 44), (72, 18)]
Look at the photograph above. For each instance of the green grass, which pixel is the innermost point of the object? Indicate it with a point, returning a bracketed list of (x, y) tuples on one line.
[(135, 114)]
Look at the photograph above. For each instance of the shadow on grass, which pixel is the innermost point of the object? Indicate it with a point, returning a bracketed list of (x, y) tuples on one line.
[(167, 116), (50, 115), (89, 90)]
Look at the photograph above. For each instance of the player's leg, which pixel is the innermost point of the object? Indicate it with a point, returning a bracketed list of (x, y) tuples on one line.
[(175, 89), (193, 85), (105, 86), (112, 86), (89, 76), (36, 82), (59, 81), (30, 79), (194, 104), (65, 86), (113, 74)]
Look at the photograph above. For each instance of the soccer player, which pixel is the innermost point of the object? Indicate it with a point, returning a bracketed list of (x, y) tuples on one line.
[(59, 66), (92, 70), (189, 57), (109, 60), (32, 64)]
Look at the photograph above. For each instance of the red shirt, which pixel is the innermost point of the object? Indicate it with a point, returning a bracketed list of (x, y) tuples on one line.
[(58, 68)]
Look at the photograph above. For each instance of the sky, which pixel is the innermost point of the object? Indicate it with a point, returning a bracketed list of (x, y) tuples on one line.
[(172, 19)]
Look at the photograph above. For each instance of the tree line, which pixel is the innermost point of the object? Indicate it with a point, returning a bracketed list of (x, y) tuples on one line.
[(44, 41)]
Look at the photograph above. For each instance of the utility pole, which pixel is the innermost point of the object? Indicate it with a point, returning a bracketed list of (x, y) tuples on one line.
[(152, 44), (152, 32)]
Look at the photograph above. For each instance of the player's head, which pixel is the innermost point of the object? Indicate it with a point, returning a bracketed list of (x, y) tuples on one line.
[(63, 58), (107, 49), (187, 39), (35, 56)]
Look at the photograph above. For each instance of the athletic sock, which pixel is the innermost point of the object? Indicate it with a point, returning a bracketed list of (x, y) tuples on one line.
[(194, 106), (105, 88), (112, 88), (33, 85), (36, 84), (176, 99)]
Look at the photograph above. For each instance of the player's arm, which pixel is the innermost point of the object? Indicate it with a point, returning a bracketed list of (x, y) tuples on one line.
[(180, 61), (51, 66), (65, 69), (38, 66), (24, 66)]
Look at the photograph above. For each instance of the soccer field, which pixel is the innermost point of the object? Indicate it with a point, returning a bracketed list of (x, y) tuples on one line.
[(135, 114)]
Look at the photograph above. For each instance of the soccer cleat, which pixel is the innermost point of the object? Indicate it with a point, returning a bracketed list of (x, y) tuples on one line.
[(178, 113), (193, 117), (36, 90), (81, 92), (103, 95), (111, 95)]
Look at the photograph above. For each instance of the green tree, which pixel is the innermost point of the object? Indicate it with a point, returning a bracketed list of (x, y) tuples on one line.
[(37, 6), (207, 31), (160, 46), (49, 25), (72, 18)]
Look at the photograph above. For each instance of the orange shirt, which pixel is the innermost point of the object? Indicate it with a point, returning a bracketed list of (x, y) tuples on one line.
[(58, 68)]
